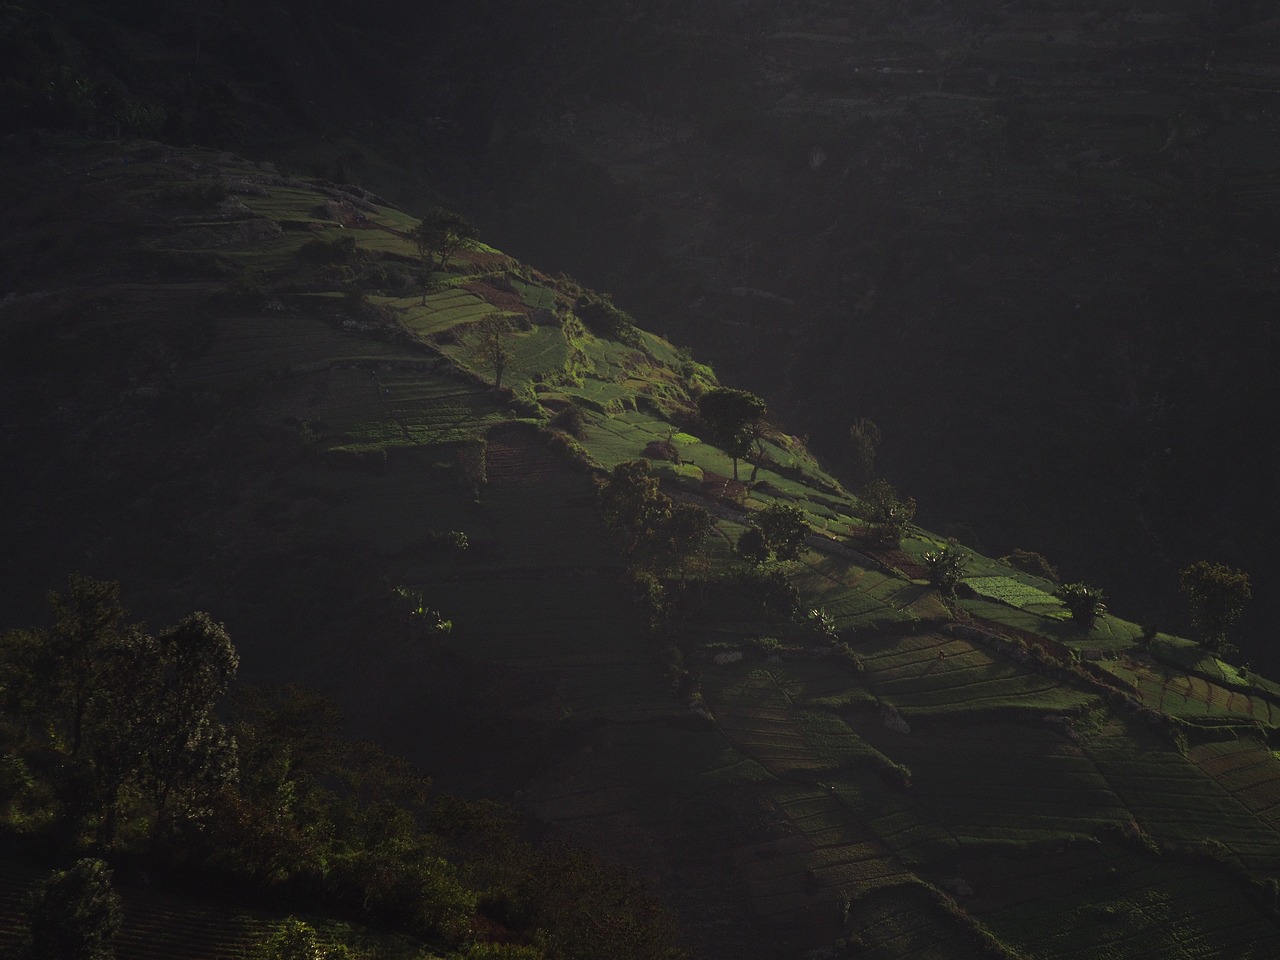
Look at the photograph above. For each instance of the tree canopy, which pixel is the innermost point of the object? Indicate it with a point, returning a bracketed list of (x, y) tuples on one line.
[(441, 234), (1216, 595), (655, 532), (735, 419), (776, 531), (126, 708), (73, 914)]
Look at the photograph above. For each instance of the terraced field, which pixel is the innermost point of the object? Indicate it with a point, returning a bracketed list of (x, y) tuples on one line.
[(1112, 902), (1170, 797), (933, 674), (1248, 770), (443, 310), (1192, 697), (846, 786)]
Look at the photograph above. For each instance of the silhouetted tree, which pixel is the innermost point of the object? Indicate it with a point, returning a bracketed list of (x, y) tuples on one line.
[(1216, 595), (864, 441), (681, 537), (1028, 561), (654, 532), (73, 914), (735, 419), (753, 546), (472, 463), (88, 623)]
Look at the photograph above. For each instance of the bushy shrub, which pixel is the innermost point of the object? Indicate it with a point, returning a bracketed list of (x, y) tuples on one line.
[(769, 593), (198, 195), (569, 420), (342, 249), (605, 318), (784, 528), (1028, 561), (752, 545), (74, 914)]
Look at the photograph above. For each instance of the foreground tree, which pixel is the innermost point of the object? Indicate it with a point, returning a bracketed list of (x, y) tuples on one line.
[(125, 708), (295, 939), (190, 755), (1216, 595), (735, 419), (73, 914)]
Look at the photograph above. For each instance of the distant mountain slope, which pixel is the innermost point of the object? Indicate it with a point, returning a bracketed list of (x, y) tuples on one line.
[(236, 388)]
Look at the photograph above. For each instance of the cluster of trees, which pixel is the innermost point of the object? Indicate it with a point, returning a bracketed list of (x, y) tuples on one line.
[(129, 715), (657, 534), (274, 802), (1214, 592)]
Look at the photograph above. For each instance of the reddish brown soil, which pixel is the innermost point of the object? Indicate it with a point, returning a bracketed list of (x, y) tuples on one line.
[(505, 300)]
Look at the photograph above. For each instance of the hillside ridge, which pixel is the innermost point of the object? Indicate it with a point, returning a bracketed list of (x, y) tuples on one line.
[(246, 389)]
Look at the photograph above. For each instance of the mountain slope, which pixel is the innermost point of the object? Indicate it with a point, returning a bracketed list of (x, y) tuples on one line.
[(243, 390)]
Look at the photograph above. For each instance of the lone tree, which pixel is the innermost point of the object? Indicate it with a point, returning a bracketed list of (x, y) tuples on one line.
[(1216, 595), (946, 567), (887, 512), (1084, 602), (490, 345), (438, 236), (735, 419), (73, 914)]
